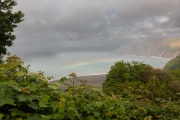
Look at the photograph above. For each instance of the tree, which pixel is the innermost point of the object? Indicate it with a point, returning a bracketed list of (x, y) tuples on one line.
[(162, 75), (124, 75), (147, 74), (121, 72), (8, 21)]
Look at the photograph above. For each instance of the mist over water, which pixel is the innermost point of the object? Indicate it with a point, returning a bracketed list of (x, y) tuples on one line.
[(85, 63)]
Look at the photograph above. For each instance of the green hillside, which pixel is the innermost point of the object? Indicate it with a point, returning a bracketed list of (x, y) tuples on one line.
[(173, 64)]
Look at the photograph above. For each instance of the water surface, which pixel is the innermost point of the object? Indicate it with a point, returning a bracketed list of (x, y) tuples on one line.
[(85, 63)]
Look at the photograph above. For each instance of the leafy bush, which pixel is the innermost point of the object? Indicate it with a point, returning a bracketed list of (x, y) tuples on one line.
[(175, 74), (121, 72), (28, 96), (147, 74), (23, 94), (123, 75), (175, 85), (162, 75)]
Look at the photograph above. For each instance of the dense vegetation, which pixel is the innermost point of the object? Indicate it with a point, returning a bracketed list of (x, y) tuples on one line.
[(173, 64), (143, 83), (140, 74), (28, 96)]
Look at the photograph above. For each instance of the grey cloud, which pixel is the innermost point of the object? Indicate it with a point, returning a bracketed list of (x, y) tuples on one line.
[(53, 26)]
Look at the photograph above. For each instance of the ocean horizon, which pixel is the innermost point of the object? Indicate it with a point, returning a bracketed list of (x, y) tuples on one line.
[(86, 63)]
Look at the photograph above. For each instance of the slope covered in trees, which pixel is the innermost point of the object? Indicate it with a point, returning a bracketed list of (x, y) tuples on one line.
[(173, 64)]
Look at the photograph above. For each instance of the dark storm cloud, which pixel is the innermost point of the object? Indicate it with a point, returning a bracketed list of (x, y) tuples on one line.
[(53, 26)]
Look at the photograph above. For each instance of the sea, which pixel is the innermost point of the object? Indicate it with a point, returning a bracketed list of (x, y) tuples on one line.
[(86, 63)]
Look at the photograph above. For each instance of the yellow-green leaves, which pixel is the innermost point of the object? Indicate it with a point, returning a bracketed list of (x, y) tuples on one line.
[(19, 74), (1, 116)]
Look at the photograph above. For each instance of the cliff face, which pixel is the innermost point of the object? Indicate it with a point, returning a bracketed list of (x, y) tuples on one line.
[(168, 48)]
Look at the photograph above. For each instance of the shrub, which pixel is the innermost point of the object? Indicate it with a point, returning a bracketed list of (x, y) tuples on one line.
[(123, 75), (123, 71), (24, 95), (175, 74), (162, 75), (28, 96), (175, 86)]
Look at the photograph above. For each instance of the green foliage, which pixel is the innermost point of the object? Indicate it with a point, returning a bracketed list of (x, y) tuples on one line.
[(8, 21), (23, 94), (147, 74), (123, 75), (86, 102), (28, 96), (123, 71), (175, 86), (175, 74), (173, 64), (162, 75)]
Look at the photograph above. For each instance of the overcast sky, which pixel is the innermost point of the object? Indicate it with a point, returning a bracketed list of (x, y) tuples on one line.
[(54, 26)]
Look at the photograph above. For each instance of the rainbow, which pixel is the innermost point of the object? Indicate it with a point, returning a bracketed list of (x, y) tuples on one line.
[(82, 63)]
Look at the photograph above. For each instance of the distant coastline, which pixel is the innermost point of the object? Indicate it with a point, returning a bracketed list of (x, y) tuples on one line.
[(153, 57), (91, 75), (95, 80)]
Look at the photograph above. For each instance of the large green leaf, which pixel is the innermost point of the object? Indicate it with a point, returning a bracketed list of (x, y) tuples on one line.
[(6, 100), (15, 87), (15, 112), (32, 87), (21, 98), (2, 93), (33, 105), (42, 104), (44, 98), (24, 97)]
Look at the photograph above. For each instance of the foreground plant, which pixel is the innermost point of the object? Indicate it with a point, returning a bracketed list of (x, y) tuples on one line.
[(24, 94), (29, 96)]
